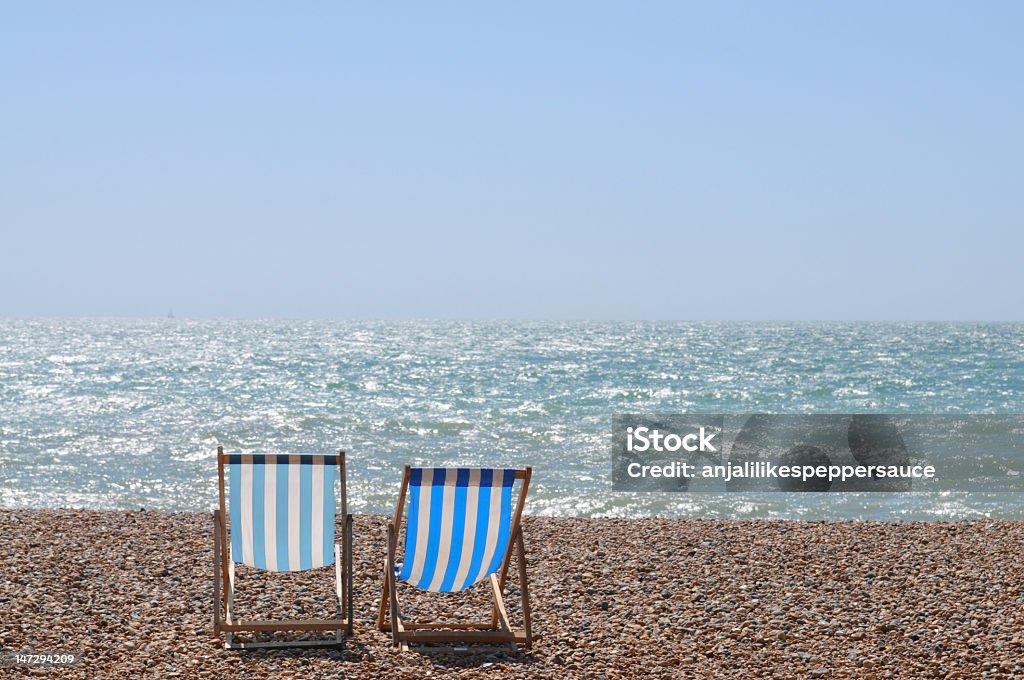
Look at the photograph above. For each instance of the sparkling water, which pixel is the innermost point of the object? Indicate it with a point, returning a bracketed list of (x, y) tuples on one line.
[(128, 413)]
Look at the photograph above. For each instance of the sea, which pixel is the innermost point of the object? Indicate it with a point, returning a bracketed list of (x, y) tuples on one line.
[(128, 413)]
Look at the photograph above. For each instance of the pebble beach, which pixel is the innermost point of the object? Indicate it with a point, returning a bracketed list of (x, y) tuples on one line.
[(130, 594)]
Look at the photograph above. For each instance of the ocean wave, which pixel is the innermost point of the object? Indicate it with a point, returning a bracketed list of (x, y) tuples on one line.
[(126, 413)]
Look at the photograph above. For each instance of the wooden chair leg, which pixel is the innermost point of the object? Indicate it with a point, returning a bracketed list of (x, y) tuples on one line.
[(390, 577), (520, 549), (230, 588), (339, 592), (216, 574), (499, 604), (348, 574)]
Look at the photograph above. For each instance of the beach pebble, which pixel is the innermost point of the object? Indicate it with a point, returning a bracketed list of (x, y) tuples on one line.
[(620, 598)]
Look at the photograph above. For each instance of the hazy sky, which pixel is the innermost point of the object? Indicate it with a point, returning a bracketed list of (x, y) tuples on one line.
[(714, 160)]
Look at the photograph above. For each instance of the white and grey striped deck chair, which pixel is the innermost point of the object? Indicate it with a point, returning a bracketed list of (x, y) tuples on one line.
[(461, 530), (281, 512)]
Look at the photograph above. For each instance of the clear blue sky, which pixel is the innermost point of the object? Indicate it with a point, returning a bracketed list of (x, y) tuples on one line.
[(714, 160)]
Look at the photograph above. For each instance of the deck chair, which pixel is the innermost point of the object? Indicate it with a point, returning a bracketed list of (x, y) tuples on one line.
[(461, 530), (281, 515)]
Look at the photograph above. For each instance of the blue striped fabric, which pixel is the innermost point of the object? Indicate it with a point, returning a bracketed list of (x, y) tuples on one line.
[(281, 511), (458, 526)]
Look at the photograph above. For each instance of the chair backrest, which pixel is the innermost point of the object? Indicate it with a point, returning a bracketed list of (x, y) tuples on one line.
[(459, 526), (281, 509)]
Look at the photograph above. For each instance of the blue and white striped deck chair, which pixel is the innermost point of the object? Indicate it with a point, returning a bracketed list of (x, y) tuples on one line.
[(281, 511), (461, 529)]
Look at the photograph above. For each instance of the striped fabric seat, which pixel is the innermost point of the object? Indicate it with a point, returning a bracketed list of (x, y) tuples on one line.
[(282, 510), (458, 526)]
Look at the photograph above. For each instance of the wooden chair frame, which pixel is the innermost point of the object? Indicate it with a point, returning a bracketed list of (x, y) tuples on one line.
[(499, 630), (224, 582)]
